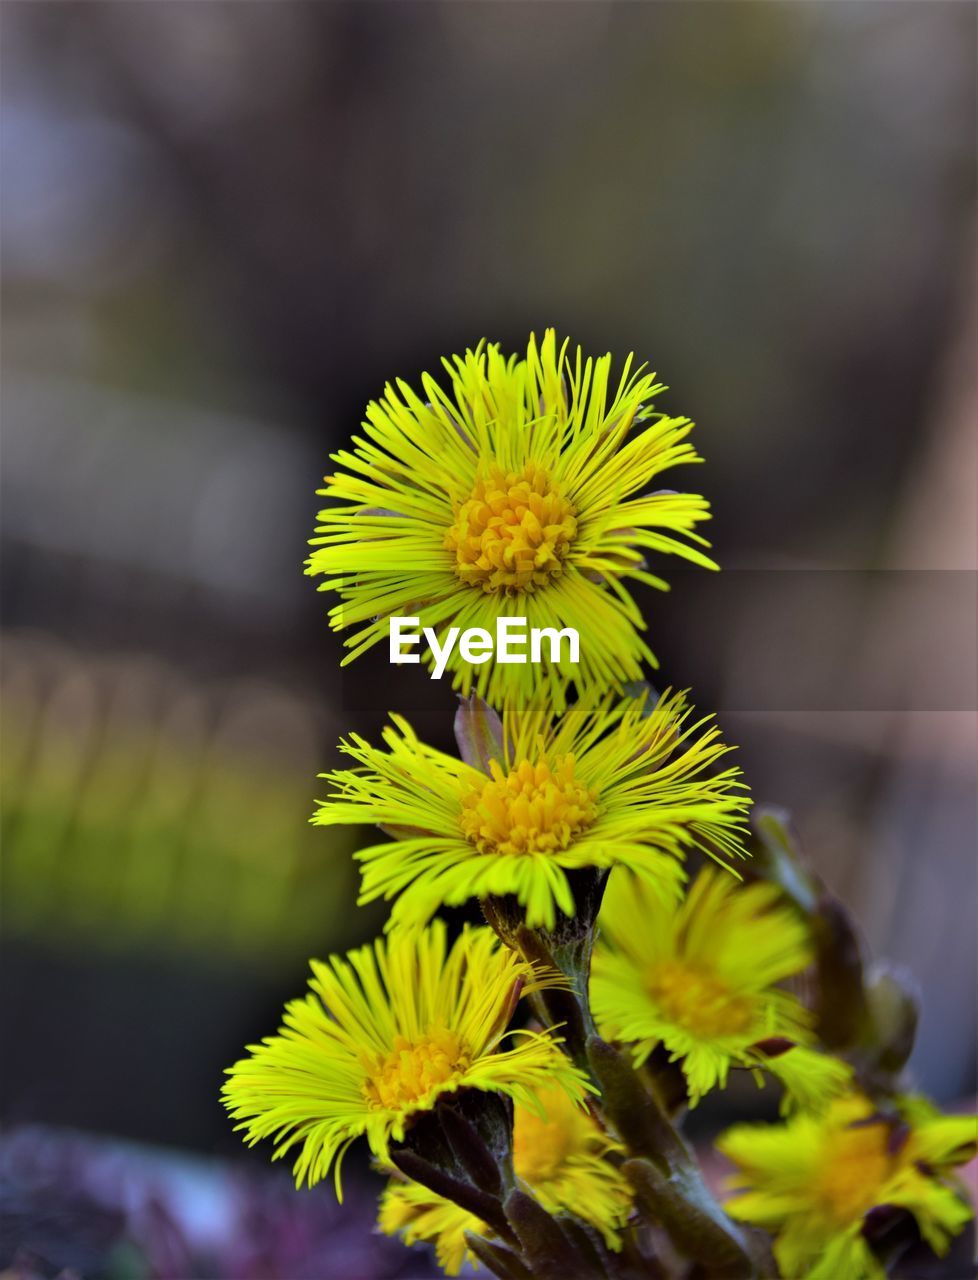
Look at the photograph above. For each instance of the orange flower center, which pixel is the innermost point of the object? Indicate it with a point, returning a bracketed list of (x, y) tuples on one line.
[(532, 809), (855, 1165), (698, 1001), (541, 1146), (415, 1071), (514, 532)]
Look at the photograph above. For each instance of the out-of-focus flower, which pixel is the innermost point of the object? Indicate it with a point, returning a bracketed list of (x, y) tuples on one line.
[(419, 1216), (610, 782), (559, 1153), (699, 977), (813, 1180), (519, 492), (385, 1032)]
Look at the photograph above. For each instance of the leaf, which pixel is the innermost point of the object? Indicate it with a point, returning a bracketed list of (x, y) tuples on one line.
[(550, 1253), (478, 732)]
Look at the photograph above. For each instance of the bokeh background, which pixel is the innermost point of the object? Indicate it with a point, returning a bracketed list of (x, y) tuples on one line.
[(225, 225)]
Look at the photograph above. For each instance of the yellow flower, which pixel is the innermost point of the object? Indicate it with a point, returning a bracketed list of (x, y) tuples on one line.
[(813, 1180), (699, 977), (384, 1033), (560, 1153), (520, 491), (420, 1216), (610, 782)]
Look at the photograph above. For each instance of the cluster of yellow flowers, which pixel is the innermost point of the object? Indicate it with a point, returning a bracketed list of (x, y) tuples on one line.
[(604, 833)]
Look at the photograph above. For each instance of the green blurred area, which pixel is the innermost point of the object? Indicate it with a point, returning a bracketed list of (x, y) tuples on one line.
[(142, 811)]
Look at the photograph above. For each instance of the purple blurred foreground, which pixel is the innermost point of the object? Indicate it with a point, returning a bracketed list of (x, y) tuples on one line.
[(74, 1206)]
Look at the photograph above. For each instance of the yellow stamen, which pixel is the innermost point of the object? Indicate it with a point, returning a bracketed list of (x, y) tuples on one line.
[(541, 1146), (409, 1073), (698, 1001), (855, 1165), (514, 532), (532, 809)]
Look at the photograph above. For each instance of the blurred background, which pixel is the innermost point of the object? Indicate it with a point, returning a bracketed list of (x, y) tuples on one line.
[(224, 227)]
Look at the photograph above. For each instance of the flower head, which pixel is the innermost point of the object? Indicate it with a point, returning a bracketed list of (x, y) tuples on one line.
[(521, 490), (383, 1034), (559, 1151), (611, 781), (813, 1180), (699, 977)]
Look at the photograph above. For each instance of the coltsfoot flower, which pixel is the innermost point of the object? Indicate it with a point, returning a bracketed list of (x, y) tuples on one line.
[(813, 1181), (419, 1216), (610, 782), (699, 977), (383, 1034), (560, 1152), (520, 491)]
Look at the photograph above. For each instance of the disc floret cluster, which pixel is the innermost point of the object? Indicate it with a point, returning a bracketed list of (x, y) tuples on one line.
[(638, 937)]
